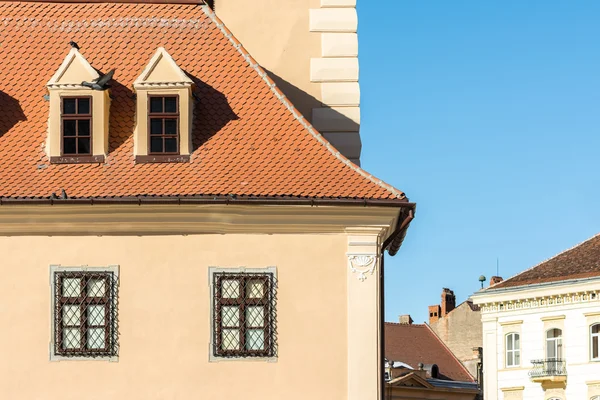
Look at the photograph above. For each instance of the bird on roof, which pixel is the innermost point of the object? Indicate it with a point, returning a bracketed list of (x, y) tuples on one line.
[(74, 45), (100, 83)]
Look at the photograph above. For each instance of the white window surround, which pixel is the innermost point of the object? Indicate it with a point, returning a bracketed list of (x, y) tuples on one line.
[(513, 350), (211, 272), (59, 268), (595, 343)]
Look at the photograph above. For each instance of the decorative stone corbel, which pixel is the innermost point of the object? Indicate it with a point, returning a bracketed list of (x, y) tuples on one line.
[(362, 264)]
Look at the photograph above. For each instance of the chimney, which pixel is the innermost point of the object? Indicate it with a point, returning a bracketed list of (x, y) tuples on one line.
[(448, 301), (495, 279), (405, 319), (434, 314)]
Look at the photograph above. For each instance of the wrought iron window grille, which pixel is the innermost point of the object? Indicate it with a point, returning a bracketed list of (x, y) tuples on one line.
[(244, 315), (85, 314)]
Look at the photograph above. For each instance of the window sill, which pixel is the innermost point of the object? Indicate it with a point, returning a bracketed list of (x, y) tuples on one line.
[(167, 158), (77, 159)]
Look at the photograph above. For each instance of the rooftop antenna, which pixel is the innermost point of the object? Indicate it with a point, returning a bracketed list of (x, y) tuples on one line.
[(481, 280)]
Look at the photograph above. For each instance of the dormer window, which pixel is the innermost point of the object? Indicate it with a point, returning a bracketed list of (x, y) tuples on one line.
[(163, 131), (76, 126), (164, 124), (78, 120)]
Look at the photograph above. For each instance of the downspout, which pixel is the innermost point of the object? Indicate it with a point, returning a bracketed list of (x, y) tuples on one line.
[(403, 226)]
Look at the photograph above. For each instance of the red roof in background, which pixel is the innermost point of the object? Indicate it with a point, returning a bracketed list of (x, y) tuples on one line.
[(415, 343), (247, 141), (579, 262)]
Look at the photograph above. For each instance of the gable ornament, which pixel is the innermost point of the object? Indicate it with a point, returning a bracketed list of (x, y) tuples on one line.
[(362, 264)]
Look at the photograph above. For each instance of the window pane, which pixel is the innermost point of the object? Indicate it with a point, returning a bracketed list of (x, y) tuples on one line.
[(156, 145), (95, 338), (596, 328), (96, 288), (71, 315), (96, 315), (84, 146), (170, 126), (171, 145), (509, 359), (509, 342), (71, 338), (84, 127), (156, 104), (69, 146), (517, 344), (69, 127), (255, 317), (255, 339), (595, 344), (551, 349), (230, 316), (84, 106), (230, 339), (517, 356), (71, 287), (156, 126), (170, 104), (230, 289), (69, 106), (255, 289)]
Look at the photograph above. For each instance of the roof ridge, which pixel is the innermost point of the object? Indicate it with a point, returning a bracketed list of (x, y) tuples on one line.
[(543, 262), (449, 351), (398, 323), (297, 115)]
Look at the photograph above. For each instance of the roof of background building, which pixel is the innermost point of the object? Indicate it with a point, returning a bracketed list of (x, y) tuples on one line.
[(415, 343), (581, 261), (247, 138)]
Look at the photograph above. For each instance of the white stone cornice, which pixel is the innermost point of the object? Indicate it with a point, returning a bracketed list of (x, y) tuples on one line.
[(548, 301)]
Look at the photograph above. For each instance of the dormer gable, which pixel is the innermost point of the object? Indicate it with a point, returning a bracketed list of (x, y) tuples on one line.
[(78, 117), (164, 111), (73, 70)]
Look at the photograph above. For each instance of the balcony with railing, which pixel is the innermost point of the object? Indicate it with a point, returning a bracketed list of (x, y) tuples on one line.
[(552, 370)]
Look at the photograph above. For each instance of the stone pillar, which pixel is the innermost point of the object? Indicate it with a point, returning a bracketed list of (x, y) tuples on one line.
[(364, 336)]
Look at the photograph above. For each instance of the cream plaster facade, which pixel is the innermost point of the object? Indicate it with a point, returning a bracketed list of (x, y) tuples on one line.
[(530, 311), (312, 55), (326, 258)]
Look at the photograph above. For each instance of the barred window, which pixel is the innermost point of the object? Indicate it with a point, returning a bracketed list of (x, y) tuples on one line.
[(244, 314), (85, 313)]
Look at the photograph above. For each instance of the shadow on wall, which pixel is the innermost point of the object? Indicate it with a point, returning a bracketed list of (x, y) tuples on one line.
[(211, 112), (122, 114), (11, 112), (338, 129)]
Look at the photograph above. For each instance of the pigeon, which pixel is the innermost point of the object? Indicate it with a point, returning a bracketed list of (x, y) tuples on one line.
[(100, 83), (63, 194), (74, 45)]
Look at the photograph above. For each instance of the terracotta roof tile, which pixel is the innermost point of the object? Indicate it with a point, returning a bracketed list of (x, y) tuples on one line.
[(245, 136), (416, 343), (579, 262)]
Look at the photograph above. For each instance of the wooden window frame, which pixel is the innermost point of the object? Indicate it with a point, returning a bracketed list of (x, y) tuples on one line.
[(109, 276), (76, 117), (513, 351), (268, 279), (163, 116)]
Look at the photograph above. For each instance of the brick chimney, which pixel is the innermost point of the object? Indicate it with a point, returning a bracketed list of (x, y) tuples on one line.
[(434, 314), (448, 301), (405, 320), (495, 279)]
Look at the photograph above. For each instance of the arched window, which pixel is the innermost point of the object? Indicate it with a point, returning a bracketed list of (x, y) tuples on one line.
[(554, 344), (595, 398), (513, 350), (595, 344)]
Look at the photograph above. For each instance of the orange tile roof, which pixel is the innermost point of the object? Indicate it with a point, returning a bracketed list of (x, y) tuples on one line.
[(417, 343), (248, 140), (579, 262)]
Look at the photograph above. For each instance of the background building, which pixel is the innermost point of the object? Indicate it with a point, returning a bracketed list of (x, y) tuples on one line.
[(542, 329)]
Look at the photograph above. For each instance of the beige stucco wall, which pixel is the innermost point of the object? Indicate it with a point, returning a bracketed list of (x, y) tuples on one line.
[(276, 33), (461, 330), (164, 314), (310, 49)]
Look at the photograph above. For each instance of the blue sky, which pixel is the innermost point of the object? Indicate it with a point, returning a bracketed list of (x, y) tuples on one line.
[(487, 115)]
